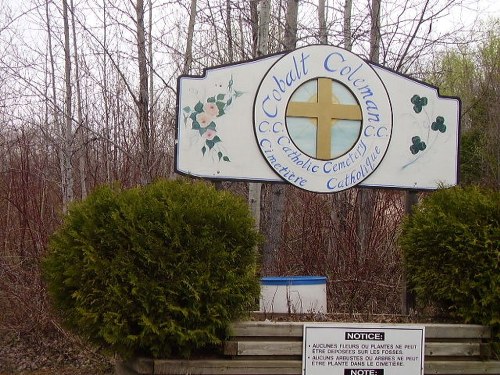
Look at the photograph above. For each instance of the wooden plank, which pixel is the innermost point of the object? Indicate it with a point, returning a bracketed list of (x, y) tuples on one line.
[(227, 367), (462, 367), (457, 331), (269, 329), (295, 329), (452, 349), (263, 348), (135, 366), (294, 348)]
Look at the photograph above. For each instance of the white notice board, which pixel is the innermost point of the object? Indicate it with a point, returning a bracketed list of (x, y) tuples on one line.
[(363, 349)]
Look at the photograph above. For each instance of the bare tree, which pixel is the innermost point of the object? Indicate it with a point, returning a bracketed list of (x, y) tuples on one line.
[(67, 148), (375, 31), (188, 54), (143, 98), (151, 79), (323, 35), (262, 43), (274, 229), (290, 37), (80, 129), (347, 25), (229, 32), (365, 202)]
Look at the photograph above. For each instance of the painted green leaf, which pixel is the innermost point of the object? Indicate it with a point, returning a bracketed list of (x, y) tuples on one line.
[(196, 125), (216, 139), (198, 107), (211, 99), (187, 109), (192, 116), (220, 97), (219, 154), (221, 106), (212, 126), (238, 93), (203, 150), (229, 101), (210, 144), (225, 158)]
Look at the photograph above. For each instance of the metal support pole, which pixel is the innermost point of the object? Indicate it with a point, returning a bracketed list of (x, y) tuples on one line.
[(407, 297)]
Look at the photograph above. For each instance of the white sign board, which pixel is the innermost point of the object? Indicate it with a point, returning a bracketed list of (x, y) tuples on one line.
[(320, 118), (363, 349)]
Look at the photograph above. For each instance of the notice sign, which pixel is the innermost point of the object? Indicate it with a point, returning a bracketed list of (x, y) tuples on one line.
[(360, 349)]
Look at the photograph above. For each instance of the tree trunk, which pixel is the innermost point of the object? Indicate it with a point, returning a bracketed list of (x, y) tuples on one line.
[(81, 130), (323, 36), (254, 24), (142, 101), (260, 26), (151, 83), (290, 37), (55, 112), (263, 30), (107, 127), (230, 52), (366, 197), (188, 54), (278, 196), (375, 31), (347, 25), (67, 171)]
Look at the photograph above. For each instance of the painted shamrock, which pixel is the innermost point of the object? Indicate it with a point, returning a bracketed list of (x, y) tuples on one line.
[(418, 103), (439, 124), (204, 116), (417, 145)]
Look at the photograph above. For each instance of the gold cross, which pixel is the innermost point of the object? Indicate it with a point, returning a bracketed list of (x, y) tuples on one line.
[(326, 114)]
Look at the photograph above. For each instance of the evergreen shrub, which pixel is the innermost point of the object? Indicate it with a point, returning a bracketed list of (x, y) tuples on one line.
[(157, 271), (451, 248)]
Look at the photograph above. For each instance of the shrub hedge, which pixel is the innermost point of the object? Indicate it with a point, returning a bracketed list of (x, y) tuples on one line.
[(159, 270), (451, 244)]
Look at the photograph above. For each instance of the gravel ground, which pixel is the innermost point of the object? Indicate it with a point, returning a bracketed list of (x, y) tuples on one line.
[(49, 354)]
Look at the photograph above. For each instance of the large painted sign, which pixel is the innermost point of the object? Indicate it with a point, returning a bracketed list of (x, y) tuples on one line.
[(320, 118)]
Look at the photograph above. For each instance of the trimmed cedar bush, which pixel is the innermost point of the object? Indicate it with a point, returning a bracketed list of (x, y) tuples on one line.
[(158, 271), (451, 244)]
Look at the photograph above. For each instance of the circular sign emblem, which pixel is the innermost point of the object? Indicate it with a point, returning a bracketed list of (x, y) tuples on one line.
[(322, 118)]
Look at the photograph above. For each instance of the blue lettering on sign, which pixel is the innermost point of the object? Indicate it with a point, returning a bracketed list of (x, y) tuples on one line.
[(371, 131), (356, 175), (265, 127), (335, 62), (352, 156), (265, 108), (297, 70), (263, 142)]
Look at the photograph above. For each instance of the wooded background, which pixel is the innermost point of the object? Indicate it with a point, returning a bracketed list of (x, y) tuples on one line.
[(88, 97)]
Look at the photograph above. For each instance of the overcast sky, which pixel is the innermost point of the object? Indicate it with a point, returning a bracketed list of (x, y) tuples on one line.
[(483, 10)]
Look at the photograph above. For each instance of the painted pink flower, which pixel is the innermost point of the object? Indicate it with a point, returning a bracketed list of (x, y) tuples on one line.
[(204, 119), (210, 134), (211, 109)]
